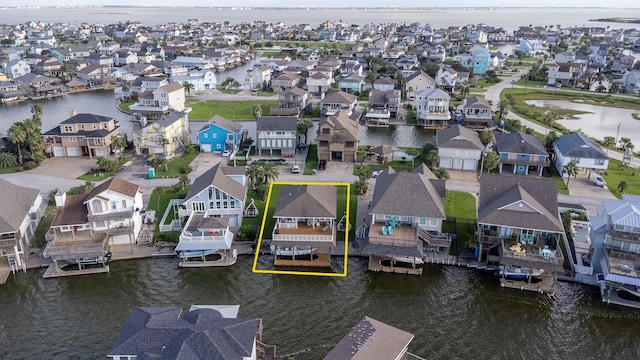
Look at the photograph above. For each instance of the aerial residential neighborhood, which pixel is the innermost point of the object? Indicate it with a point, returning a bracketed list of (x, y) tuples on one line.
[(397, 151)]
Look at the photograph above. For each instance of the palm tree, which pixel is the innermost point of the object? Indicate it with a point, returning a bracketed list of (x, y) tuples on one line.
[(362, 154), (571, 169), (609, 141), (413, 153), (104, 164), (625, 143), (183, 181), (254, 173), (159, 190), (118, 142), (442, 174), (188, 87), (433, 158), (17, 135), (36, 113), (485, 137), (491, 161), (502, 109), (7, 160), (89, 185), (623, 185), (269, 171), (164, 142), (364, 172), (303, 128), (256, 111)]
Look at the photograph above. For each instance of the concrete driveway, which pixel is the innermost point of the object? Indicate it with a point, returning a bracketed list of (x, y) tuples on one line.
[(581, 186), (66, 168)]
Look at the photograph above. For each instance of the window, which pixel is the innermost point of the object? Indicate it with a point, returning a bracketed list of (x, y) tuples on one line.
[(113, 205), (198, 206), (68, 128), (422, 221), (433, 222), (326, 130), (124, 203), (96, 205), (73, 139), (205, 135), (599, 162), (97, 141), (214, 135)]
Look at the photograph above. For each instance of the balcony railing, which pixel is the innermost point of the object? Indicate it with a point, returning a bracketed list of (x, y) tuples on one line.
[(622, 236), (622, 262), (115, 215), (122, 230), (440, 240), (544, 163), (510, 249), (204, 237)]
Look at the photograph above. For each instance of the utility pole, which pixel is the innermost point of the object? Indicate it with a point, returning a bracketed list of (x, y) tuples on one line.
[(617, 134)]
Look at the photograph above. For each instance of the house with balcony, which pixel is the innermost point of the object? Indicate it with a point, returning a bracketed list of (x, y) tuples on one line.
[(406, 215), (285, 81), (338, 138), (161, 101), (459, 148), (564, 74), (164, 136), (203, 332), (276, 135), (16, 68), (87, 225), (201, 79), (616, 239), (258, 78), (305, 228), (319, 81), (519, 228), (432, 109), (418, 81), (383, 105), (340, 100), (9, 91), (19, 217), (81, 135), (352, 83), (520, 153), (220, 134), (477, 113), (584, 152), (384, 84), (40, 86), (293, 101)]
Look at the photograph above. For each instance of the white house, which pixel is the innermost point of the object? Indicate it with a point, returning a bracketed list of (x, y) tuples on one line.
[(432, 108), (584, 152), (459, 148), (200, 79)]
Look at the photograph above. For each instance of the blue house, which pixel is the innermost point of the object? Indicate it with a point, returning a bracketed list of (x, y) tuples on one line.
[(220, 134), (480, 60), (520, 153)]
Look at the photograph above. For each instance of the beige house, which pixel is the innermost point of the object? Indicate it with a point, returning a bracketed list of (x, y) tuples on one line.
[(284, 82), (81, 135), (338, 138)]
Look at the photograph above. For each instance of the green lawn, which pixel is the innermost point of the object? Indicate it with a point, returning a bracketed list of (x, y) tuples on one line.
[(560, 181), (461, 207), (124, 105), (231, 110), (167, 194), (101, 175), (312, 160), (616, 173), (315, 113), (174, 166), (11, 170), (38, 240), (265, 93)]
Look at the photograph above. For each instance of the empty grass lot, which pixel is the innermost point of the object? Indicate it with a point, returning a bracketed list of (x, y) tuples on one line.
[(231, 110)]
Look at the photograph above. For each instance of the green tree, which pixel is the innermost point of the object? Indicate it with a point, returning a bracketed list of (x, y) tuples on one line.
[(622, 186), (118, 143), (303, 128), (485, 137), (256, 111), (571, 169), (262, 190), (361, 185), (183, 181), (254, 173), (189, 148), (7, 160), (550, 139), (159, 191), (17, 135), (625, 143), (269, 172), (432, 158), (89, 185), (442, 174), (502, 109), (164, 142), (413, 153), (36, 113), (491, 161), (364, 172), (188, 87), (609, 141)]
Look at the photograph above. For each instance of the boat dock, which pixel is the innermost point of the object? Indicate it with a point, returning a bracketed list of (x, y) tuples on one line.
[(322, 260)]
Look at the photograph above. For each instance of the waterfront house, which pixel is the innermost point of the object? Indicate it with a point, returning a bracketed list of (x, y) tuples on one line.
[(9, 91), (372, 339), (520, 152), (87, 224), (40, 86), (458, 148), (519, 226), (564, 74), (305, 228), (48, 67), (417, 82), (406, 215), (203, 332), (477, 113), (285, 81), (164, 136), (220, 134), (383, 105), (16, 68), (631, 82), (584, 152), (340, 100), (81, 135), (276, 135), (258, 78), (615, 238), (19, 217), (338, 138), (480, 60), (154, 104), (531, 47), (200, 79), (432, 108), (293, 101)]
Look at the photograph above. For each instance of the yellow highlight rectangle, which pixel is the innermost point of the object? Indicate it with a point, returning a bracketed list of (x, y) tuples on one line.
[(264, 222)]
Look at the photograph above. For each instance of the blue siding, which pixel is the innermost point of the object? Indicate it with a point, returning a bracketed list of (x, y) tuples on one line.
[(217, 137)]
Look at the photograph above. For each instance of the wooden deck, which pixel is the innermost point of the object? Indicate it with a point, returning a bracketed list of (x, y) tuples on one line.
[(225, 262), (323, 260), (375, 264), (53, 273), (304, 229), (545, 286), (4, 275)]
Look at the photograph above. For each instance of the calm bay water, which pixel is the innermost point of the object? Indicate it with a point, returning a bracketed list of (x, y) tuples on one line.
[(455, 313)]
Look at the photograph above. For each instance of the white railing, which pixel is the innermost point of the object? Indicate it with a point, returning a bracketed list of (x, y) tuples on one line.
[(202, 237), (175, 223), (302, 237)]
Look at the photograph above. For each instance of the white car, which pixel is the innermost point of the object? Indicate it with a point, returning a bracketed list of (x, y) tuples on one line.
[(295, 169), (226, 153), (375, 173), (599, 180)]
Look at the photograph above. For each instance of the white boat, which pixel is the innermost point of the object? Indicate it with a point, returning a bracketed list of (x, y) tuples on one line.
[(633, 290), (195, 254), (518, 273), (408, 259), (292, 251)]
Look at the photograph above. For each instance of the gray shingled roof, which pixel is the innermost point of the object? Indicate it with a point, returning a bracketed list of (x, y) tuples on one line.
[(371, 339), (519, 143), (307, 201), (216, 176), (167, 333), (519, 201), (276, 123), (170, 118), (579, 146), (219, 121), (418, 193), (458, 137), (339, 97), (86, 119), (17, 201), (344, 128)]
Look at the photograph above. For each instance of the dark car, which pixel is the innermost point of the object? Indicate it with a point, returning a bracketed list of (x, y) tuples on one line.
[(322, 164), (277, 161)]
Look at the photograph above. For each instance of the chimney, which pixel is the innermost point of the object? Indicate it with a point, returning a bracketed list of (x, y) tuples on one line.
[(61, 197), (73, 113)]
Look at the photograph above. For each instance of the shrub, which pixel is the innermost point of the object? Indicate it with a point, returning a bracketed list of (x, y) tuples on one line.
[(29, 165), (185, 169), (248, 232)]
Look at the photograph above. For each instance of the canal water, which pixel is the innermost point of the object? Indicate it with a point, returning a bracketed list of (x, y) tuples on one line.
[(454, 313)]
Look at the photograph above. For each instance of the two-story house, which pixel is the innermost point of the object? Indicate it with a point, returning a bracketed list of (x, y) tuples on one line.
[(81, 135), (293, 101), (383, 105), (220, 134), (9, 91), (406, 215), (87, 224), (520, 152), (477, 113), (519, 227), (40, 86), (19, 218), (584, 152), (458, 148), (16, 68), (285, 81), (214, 207), (319, 80), (351, 82), (338, 138), (563, 74), (164, 136), (161, 101), (432, 108), (200, 79), (258, 78), (305, 226), (384, 84), (276, 135), (340, 100)]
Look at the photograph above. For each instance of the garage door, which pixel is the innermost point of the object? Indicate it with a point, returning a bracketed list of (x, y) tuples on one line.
[(205, 147), (99, 152), (445, 163), (457, 164), (72, 151), (58, 151), (469, 165)]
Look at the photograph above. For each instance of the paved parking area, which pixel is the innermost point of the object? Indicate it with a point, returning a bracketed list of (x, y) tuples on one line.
[(581, 186), (66, 168), (204, 162)]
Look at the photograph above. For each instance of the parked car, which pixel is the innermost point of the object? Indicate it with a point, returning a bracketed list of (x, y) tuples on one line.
[(599, 180), (226, 153), (295, 169), (375, 173), (322, 164)]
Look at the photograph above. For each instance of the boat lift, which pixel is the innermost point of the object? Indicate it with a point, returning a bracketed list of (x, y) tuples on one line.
[(251, 210), (341, 224)]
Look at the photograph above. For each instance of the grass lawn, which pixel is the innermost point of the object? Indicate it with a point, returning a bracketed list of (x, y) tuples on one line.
[(231, 110), (124, 105), (560, 181), (174, 166), (312, 160), (315, 113), (168, 194), (462, 207), (38, 240), (101, 175), (11, 170), (582, 97), (635, 116), (616, 173), (530, 83), (265, 93)]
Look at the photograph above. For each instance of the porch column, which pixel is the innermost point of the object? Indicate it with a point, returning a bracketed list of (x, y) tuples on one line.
[(539, 170), (515, 168)]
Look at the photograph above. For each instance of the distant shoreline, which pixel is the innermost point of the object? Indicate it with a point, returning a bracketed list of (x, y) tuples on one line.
[(618, 20)]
